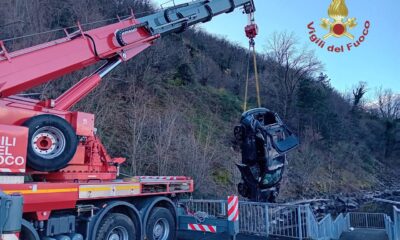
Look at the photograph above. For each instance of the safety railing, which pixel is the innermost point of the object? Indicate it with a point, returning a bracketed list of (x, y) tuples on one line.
[(296, 221), (367, 220), (290, 221), (340, 225), (392, 227), (213, 208), (214, 218), (396, 223), (254, 218), (327, 228), (389, 227), (264, 219), (261, 219)]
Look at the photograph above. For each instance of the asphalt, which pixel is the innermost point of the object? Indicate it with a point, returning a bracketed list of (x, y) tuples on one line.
[(197, 236), (364, 234), (249, 237)]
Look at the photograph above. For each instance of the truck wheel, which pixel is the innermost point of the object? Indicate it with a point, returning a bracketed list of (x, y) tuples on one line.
[(116, 226), (52, 143), (161, 225), (28, 232)]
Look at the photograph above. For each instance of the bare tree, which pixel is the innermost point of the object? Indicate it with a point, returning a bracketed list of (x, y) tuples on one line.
[(388, 108), (165, 133), (292, 65), (137, 115), (388, 104), (197, 156), (358, 94)]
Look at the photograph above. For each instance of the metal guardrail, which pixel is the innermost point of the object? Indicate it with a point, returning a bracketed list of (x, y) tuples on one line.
[(262, 219), (328, 228), (215, 217), (281, 220), (392, 227), (367, 220), (254, 218), (290, 221), (297, 221), (213, 208), (396, 223), (389, 227), (340, 225)]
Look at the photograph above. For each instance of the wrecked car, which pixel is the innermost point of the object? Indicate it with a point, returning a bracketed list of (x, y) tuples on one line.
[(264, 141)]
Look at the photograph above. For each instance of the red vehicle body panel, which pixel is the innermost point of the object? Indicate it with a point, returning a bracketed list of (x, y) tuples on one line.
[(40, 199), (13, 145)]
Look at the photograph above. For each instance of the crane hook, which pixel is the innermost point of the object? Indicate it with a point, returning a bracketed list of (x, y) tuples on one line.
[(251, 31)]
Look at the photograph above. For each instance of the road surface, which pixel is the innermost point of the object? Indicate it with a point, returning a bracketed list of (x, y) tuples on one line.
[(364, 234), (196, 236)]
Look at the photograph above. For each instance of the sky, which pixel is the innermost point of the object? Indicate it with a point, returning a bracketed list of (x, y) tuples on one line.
[(376, 61)]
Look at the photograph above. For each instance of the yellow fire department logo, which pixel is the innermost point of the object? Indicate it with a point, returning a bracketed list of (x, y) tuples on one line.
[(338, 24), (339, 12)]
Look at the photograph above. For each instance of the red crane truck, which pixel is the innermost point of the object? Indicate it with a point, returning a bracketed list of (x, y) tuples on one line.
[(76, 193)]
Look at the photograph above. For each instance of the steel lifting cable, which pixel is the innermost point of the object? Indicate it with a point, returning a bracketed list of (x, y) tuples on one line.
[(247, 80), (256, 75), (252, 50)]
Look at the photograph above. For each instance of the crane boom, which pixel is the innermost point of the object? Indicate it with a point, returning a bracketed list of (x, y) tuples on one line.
[(61, 145), (27, 68)]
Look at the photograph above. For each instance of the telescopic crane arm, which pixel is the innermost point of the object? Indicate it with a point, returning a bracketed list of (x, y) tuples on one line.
[(24, 69), (62, 144)]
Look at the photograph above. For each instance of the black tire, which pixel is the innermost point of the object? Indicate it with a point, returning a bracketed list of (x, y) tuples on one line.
[(119, 224), (28, 232), (243, 190), (160, 216), (60, 152), (239, 132)]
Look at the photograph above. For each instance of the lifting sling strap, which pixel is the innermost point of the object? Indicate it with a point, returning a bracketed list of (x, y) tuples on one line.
[(252, 50)]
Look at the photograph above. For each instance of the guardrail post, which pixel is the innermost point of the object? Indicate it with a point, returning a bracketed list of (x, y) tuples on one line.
[(223, 208), (299, 220), (395, 223), (267, 219), (233, 216), (308, 222), (348, 222)]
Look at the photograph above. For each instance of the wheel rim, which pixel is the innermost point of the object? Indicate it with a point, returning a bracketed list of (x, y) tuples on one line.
[(48, 142), (161, 229), (118, 233)]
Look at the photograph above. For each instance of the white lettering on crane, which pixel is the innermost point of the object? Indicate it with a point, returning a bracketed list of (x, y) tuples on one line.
[(6, 155)]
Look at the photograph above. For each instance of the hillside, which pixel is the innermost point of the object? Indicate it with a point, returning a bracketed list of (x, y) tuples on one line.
[(172, 109)]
